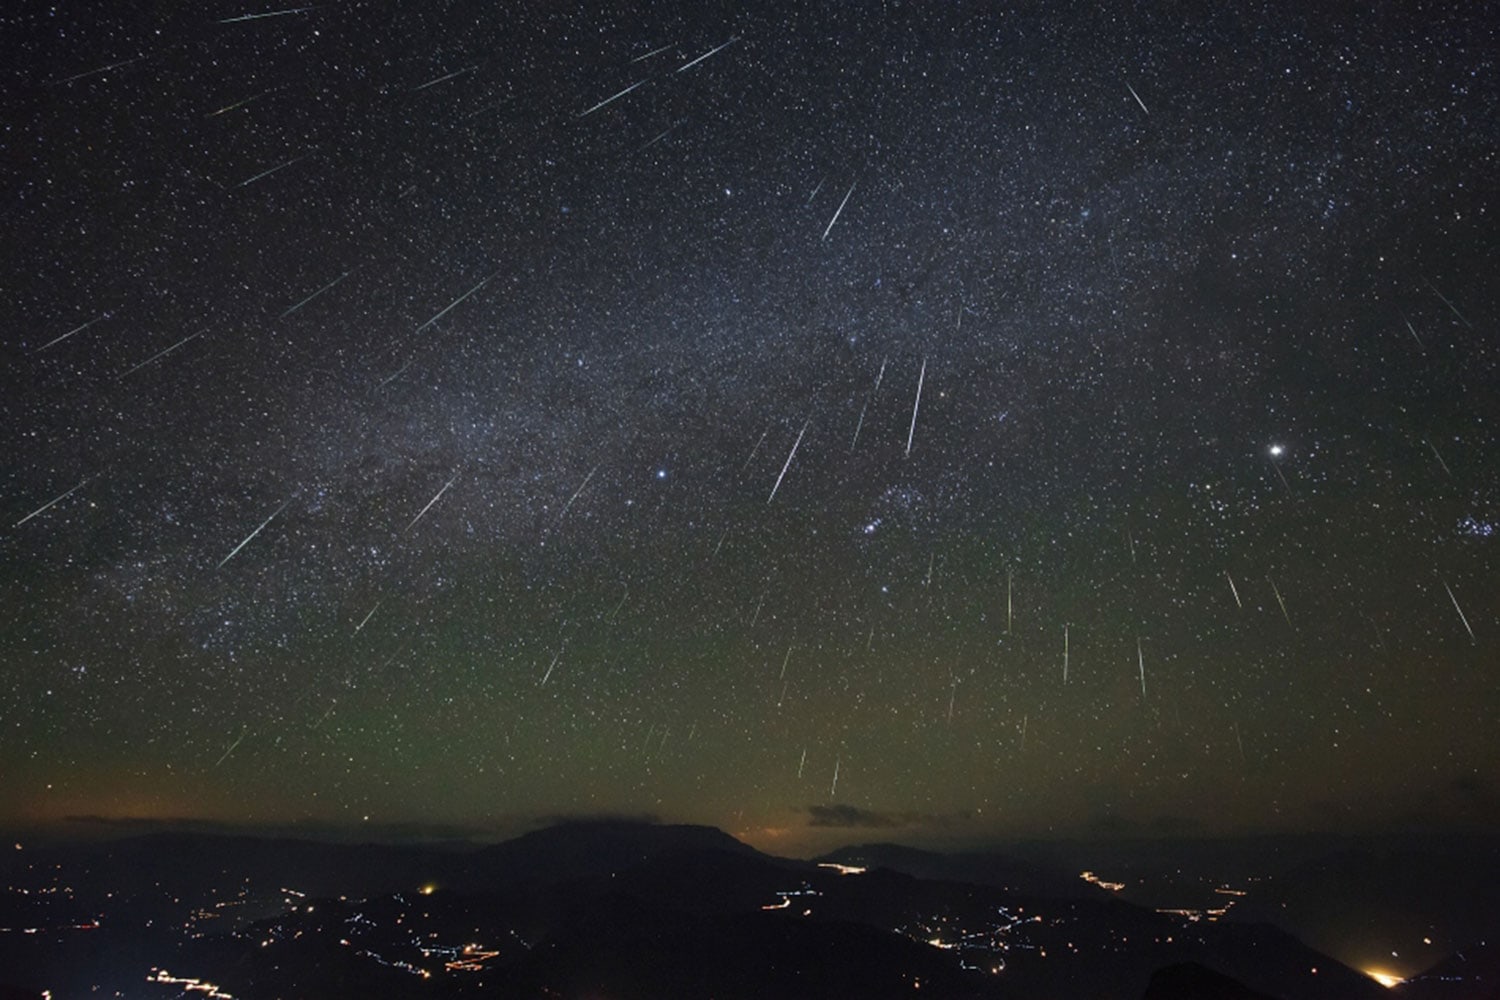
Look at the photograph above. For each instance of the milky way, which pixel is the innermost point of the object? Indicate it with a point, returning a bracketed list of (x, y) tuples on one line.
[(990, 421)]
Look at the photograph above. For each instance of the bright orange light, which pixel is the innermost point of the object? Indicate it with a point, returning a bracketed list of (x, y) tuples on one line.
[(1093, 879), (1385, 979)]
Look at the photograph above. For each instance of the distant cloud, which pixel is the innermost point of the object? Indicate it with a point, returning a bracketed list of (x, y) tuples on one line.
[(150, 824), (500, 829), (846, 817), (305, 830), (849, 816), (1115, 825), (589, 819), (1465, 800)]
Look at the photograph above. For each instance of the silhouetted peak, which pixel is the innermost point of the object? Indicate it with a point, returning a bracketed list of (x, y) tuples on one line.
[(1191, 981)]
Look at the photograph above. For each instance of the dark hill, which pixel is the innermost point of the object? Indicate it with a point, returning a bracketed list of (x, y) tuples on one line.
[(572, 850), (1471, 973), (1191, 981), (618, 946), (979, 868)]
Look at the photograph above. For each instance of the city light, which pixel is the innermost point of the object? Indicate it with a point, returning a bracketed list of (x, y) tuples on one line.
[(1093, 879)]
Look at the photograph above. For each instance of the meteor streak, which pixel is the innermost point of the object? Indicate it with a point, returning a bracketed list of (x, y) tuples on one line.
[(612, 98), (712, 51), (921, 377), (839, 211), (236, 550), (789, 457), (76, 329), (60, 497), (434, 500)]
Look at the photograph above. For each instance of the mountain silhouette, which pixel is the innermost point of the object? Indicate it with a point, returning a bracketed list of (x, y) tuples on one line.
[(614, 909)]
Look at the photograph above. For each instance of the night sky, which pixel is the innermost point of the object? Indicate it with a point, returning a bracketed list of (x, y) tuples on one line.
[(912, 421)]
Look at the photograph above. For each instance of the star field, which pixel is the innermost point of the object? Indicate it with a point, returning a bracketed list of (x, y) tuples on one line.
[(993, 420)]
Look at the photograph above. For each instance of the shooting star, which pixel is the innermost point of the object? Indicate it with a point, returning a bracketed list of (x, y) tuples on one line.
[(1137, 97), (76, 329), (1277, 591), (366, 620), (434, 500), (1280, 475), (267, 173), (314, 295), (816, 188), (265, 14), (857, 425), (551, 666), (1413, 331), (789, 457), (1461, 616), (164, 353), (921, 377), (581, 487), (1450, 305), (653, 52), (1238, 742), (756, 448), (1009, 602), (240, 104), (1024, 719), (834, 790), (762, 603), (611, 616), (612, 98), (251, 536), (395, 374), (878, 376), (1439, 456), (1065, 654), (712, 51), (243, 733), (1234, 590), (444, 79), (784, 661), (1140, 657), (449, 307), (839, 211), (661, 135), (55, 500), (802, 763), (101, 69)]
